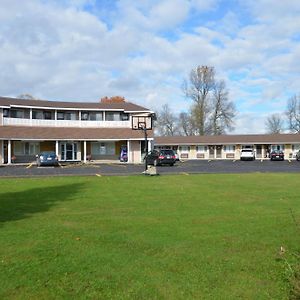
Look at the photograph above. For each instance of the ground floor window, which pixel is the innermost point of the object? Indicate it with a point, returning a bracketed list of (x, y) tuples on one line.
[(103, 148), (26, 148), (295, 147), (201, 149), (184, 149), (229, 148), (277, 147)]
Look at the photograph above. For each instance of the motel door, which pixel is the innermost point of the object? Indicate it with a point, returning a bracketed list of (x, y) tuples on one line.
[(211, 151), (68, 151), (219, 151), (258, 151)]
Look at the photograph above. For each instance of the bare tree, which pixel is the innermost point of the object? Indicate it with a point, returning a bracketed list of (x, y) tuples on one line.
[(166, 123), (26, 96), (274, 123), (186, 124), (201, 83), (293, 113), (212, 112), (223, 110)]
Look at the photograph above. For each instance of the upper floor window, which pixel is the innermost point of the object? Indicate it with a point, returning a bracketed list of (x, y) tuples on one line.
[(112, 116), (5, 112), (116, 116), (92, 116), (47, 115), (66, 115), (37, 114), (17, 113)]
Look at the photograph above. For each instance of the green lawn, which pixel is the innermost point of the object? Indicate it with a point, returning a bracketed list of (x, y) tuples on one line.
[(138, 237)]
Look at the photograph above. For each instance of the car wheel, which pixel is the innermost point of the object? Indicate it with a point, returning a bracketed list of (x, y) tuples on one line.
[(171, 165)]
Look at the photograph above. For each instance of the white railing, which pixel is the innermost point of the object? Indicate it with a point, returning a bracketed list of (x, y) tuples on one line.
[(65, 123)]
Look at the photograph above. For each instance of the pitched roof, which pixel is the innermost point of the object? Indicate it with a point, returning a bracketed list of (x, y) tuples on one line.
[(126, 106), (228, 139), (55, 133)]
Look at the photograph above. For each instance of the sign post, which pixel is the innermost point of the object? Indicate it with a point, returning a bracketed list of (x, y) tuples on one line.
[(143, 123)]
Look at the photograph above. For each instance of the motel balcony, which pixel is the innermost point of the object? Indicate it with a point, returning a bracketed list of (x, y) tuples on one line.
[(65, 123)]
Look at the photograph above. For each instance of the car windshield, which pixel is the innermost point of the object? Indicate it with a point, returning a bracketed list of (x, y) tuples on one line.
[(247, 150), (49, 154), (277, 151), (167, 152)]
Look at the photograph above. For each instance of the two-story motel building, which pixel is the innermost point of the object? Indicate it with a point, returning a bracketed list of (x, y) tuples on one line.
[(75, 131)]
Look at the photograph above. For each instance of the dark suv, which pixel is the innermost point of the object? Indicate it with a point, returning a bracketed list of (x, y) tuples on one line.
[(161, 157), (277, 155), (298, 155)]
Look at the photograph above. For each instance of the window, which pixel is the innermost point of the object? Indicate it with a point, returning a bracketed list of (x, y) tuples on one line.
[(26, 148), (92, 116), (37, 114), (103, 148), (5, 112), (113, 116), (201, 149), (184, 149), (60, 116), (17, 113), (124, 117), (47, 115), (229, 148), (66, 115), (277, 147)]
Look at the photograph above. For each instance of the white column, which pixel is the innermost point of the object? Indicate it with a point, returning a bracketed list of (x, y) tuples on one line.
[(56, 148), (79, 117), (9, 152), (149, 145), (2, 152), (128, 152), (84, 151)]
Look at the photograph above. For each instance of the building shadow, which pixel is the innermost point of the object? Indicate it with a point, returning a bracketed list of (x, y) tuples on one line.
[(24, 204)]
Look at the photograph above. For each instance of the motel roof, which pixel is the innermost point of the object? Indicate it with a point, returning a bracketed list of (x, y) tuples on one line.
[(228, 139), (44, 104), (66, 133)]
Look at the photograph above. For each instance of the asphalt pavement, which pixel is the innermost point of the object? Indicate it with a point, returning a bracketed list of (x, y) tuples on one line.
[(121, 169)]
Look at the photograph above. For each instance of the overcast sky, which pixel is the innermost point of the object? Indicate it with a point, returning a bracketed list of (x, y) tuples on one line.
[(83, 50)]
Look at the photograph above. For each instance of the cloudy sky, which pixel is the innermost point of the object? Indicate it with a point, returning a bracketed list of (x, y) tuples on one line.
[(83, 50)]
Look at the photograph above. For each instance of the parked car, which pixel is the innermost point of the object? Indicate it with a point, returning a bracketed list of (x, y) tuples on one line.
[(247, 154), (161, 157), (47, 158), (277, 155), (298, 155)]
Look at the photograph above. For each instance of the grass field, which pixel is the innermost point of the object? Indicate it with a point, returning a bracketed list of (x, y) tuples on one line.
[(168, 237)]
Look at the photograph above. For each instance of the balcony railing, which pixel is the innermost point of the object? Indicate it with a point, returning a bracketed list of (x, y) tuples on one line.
[(66, 123)]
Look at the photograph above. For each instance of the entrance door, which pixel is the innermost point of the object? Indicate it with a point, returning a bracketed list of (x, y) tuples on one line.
[(219, 151), (211, 151), (69, 151), (258, 151)]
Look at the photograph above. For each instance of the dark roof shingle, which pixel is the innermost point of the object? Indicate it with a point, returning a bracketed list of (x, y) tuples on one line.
[(228, 139), (66, 133), (126, 106)]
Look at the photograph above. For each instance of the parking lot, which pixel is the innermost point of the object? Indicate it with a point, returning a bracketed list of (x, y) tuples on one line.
[(185, 167)]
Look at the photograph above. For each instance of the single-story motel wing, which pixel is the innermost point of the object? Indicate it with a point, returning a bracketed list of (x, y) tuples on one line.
[(229, 146)]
